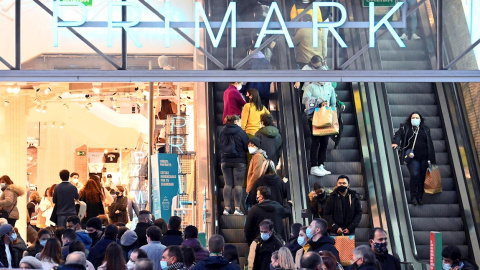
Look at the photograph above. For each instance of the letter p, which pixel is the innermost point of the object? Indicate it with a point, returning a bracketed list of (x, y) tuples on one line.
[(60, 23)]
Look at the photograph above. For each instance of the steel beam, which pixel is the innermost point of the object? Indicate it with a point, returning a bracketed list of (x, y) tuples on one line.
[(6, 63), (454, 61), (439, 23)]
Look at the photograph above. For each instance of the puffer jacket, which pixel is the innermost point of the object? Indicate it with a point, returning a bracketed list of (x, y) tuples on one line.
[(8, 200), (255, 170), (271, 142), (240, 138)]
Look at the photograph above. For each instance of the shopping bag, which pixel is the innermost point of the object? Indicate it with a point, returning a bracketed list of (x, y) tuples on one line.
[(345, 244), (433, 180), (323, 117), (331, 130)]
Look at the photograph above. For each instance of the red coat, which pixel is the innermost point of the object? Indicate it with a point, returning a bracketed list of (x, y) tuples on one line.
[(232, 102)]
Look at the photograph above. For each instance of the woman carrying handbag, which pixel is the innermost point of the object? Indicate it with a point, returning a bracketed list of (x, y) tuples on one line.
[(416, 150)]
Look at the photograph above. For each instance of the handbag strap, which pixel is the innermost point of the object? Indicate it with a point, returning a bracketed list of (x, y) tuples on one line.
[(415, 140)]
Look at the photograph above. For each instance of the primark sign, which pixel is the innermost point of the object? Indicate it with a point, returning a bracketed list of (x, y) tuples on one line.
[(268, 27)]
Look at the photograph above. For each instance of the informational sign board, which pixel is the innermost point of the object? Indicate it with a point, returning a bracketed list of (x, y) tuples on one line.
[(165, 183), (435, 251), (380, 3)]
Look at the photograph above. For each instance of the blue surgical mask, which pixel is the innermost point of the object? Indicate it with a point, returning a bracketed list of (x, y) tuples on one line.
[(415, 122), (309, 233), (43, 242), (446, 266), (301, 241), (163, 264), (265, 236), (13, 237)]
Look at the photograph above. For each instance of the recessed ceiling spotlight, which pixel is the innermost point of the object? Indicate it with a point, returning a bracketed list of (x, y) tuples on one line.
[(9, 90), (6, 103), (44, 109), (96, 90), (47, 91), (16, 90)]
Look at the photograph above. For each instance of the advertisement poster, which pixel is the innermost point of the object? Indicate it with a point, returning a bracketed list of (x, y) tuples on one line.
[(166, 181)]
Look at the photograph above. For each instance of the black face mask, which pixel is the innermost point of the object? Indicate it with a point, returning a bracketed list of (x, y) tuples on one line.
[(342, 189), (93, 235)]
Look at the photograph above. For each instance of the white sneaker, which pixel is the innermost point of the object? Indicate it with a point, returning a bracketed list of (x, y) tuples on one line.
[(414, 36), (403, 36), (238, 212), (226, 212), (316, 171), (322, 168)]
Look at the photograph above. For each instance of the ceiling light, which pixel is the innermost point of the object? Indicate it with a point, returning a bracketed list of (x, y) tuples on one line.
[(61, 125), (37, 89), (16, 90), (9, 90), (30, 158), (65, 105), (6, 103), (53, 124), (96, 90), (44, 109), (47, 91), (39, 108), (105, 151), (36, 101)]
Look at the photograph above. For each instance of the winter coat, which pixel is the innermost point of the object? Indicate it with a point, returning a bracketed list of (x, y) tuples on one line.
[(200, 252), (293, 245), (317, 203), (120, 204), (324, 92), (255, 168), (232, 102), (262, 252), (33, 250), (154, 251), (278, 188), (93, 209), (8, 200), (16, 255), (240, 138), (388, 261), (83, 237), (401, 139), (367, 267), (97, 252), (141, 231), (334, 212), (326, 243), (271, 142), (216, 263), (172, 238), (251, 117), (267, 209), (132, 208)]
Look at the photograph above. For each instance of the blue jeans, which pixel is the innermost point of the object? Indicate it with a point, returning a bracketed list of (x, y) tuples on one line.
[(233, 174), (413, 16), (418, 170)]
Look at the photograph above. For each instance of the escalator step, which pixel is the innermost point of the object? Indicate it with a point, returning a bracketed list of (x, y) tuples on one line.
[(232, 222), (445, 171), (343, 95), (406, 65), (424, 251), (349, 131), (437, 224), (233, 235), (448, 184), (400, 55), (406, 110), (431, 121), (435, 210), (349, 119), (345, 143), (343, 155), (390, 44), (347, 168), (364, 222), (445, 197), (361, 235), (408, 88), (219, 107), (413, 99), (448, 238)]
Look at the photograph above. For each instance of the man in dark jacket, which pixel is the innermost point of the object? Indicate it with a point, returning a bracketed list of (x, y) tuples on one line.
[(451, 256), (278, 188), (263, 247), (216, 260), (270, 138), (64, 197), (73, 222), (7, 236), (191, 241), (144, 222), (173, 236), (378, 242), (319, 238), (94, 230), (265, 209), (97, 253), (68, 237), (343, 209)]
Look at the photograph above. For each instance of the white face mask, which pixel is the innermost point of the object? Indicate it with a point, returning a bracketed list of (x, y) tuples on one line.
[(75, 180), (239, 87), (3, 185), (252, 150), (130, 264)]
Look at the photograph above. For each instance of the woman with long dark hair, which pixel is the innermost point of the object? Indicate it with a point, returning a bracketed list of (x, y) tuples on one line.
[(51, 255), (42, 236), (93, 197), (114, 259), (252, 112), (416, 150)]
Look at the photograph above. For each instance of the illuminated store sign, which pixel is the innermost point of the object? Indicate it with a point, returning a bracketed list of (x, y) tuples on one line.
[(230, 13)]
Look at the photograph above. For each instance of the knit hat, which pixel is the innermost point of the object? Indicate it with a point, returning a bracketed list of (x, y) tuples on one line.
[(128, 238), (95, 223), (5, 228), (255, 141), (32, 261)]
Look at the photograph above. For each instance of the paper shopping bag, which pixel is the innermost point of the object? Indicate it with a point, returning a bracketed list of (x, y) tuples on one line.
[(433, 180), (323, 117), (331, 130), (345, 244)]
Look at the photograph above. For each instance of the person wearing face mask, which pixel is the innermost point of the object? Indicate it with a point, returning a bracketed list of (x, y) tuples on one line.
[(278, 188), (9, 257), (97, 253), (415, 135), (233, 142), (74, 180), (292, 243), (451, 260), (172, 259), (377, 237), (117, 211), (364, 259), (135, 256), (154, 248), (319, 237), (265, 209), (316, 63), (318, 197), (343, 209), (94, 230), (233, 101), (251, 113), (257, 163), (42, 237), (259, 257), (302, 241), (8, 199)]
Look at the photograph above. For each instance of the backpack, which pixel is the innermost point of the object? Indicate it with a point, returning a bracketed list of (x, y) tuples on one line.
[(230, 149)]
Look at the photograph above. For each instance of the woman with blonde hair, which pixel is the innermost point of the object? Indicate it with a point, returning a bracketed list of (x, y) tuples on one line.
[(282, 259)]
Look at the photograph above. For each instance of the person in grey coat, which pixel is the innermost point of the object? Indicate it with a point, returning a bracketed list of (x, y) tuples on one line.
[(154, 248)]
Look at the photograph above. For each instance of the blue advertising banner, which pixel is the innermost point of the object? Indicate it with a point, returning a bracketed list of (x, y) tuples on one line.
[(168, 184)]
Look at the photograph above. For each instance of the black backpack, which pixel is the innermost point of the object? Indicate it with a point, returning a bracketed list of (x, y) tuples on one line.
[(230, 149)]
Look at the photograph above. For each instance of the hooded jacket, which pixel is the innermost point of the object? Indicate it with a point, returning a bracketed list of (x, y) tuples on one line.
[(232, 102), (278, 188), (400, 138), (260, 257), (326, 243), (267, 209), (83, 237), (217, 263), (271, 142), (255, 168), (200, 252), (335, 215), (8, 200), (240, 139)]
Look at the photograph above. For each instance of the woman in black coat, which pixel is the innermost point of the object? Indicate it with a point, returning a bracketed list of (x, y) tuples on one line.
[(414, 134)]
